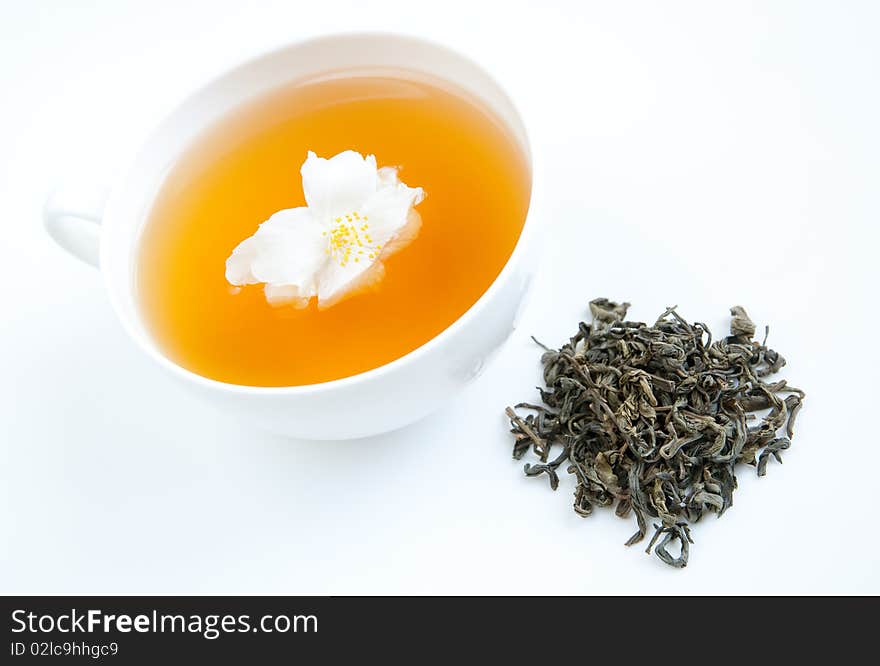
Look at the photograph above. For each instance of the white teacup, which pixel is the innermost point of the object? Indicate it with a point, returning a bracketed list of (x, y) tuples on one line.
[(106, 232)]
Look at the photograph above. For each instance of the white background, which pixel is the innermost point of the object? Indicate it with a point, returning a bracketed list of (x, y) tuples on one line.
[(703, 154)]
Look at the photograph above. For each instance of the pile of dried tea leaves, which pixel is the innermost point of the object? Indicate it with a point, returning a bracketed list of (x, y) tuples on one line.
[(655, 418)]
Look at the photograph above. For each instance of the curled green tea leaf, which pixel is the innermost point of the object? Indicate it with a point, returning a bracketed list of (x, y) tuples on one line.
[(655, 418)]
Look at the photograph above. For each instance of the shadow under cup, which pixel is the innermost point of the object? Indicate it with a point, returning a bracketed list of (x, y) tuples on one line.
[(379, 400)]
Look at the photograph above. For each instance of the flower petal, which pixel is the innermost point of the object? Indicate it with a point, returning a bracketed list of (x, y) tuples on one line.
[(238, 265), (339, 185), (337, 283), (388, 210), (404, 236), (286, 251), (287, 294), (392, 223)]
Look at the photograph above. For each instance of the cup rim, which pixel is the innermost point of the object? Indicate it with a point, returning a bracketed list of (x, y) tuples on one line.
[(525, 238)]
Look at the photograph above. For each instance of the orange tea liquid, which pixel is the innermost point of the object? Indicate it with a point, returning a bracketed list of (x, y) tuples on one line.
[(246, 168)]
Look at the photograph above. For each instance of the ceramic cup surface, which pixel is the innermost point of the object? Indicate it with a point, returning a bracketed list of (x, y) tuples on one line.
[(104, 229)]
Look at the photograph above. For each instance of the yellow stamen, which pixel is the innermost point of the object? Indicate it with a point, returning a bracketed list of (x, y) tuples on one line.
[(344, 238)]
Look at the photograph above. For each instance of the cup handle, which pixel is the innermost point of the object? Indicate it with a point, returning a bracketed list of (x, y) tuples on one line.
[(72, 217)]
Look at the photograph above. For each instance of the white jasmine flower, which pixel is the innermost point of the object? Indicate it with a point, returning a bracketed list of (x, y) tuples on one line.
[(357, 215)]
